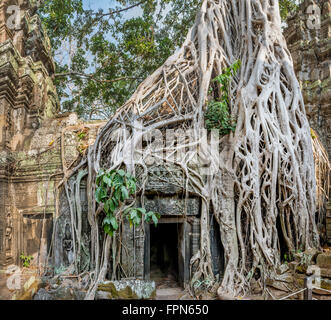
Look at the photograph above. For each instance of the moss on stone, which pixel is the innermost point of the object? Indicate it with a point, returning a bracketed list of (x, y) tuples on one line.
[(123, 294)]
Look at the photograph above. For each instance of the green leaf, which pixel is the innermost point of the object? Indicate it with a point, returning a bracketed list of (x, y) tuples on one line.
[(136, 220), (106, 220), (125, 193), (133, 187), (108, 230), (141, 210), (129, 176), (121, 173), (117, 195), (107, 180), (133, 213), (155, 220), (106, 207), (110, 206), (100, 194), (113, 222), (115, 202)]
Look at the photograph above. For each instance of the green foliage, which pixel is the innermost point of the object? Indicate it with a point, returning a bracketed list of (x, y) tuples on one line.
[(58, 17), (286, 7), (115, 49), (81, 135), (114, 188), (26, 260), (217, 115)]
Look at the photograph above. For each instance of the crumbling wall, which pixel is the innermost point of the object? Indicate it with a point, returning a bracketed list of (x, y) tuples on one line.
[(37, 145), (308, 37)]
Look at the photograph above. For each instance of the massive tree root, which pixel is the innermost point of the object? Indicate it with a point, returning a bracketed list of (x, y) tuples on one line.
[(261, 185)]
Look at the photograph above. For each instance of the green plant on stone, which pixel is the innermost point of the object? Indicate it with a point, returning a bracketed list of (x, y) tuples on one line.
[(26, 260), (81, 135), (217, 115), (114, 188)]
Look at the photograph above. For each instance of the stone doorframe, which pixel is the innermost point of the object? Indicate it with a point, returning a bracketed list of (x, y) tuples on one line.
[(184, 248)]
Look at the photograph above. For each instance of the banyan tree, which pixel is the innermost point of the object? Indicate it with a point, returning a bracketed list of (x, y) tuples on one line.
[(261, 184)]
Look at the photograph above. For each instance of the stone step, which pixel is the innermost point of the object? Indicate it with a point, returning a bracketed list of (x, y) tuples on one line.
[(126, 290), (324, 260), (169, 293)]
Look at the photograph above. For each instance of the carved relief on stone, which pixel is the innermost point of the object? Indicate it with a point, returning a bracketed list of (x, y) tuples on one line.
[(9, 236), (68, 245)]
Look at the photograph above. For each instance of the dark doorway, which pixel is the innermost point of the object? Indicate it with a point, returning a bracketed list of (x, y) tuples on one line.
[(164, 252), (282, 243), (216, 248), (167, 251)]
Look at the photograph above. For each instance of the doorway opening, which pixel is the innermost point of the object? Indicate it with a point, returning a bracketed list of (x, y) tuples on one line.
[(282, 243), (164, 252)]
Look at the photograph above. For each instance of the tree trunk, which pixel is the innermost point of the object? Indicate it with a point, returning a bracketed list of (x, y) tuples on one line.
[(266, 169)]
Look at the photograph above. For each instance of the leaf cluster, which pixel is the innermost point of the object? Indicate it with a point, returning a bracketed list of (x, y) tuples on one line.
[(217, 115), (26, 260), (286, 7), (103, 55), (114, 188)]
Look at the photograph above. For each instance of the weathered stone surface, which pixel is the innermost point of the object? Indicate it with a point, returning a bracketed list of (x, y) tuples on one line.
[(43, 294), (63, 246), (61, 293), (328, 221), (29, 289), (126, 290), (325, 272), (37, 144), (308, 38), (324, 260), (173, 206), (306, 258), (310, 47), (321, 283), (167, 182), (283, 268)]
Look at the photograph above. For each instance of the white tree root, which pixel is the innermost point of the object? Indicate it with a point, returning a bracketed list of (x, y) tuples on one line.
[(266, 172)]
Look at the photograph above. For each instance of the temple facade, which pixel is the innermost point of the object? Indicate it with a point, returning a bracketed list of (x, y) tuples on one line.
[(308, 38), (38, 146)]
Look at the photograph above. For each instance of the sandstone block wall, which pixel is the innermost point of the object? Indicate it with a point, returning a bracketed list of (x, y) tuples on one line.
[(37, 145), (308, 38)]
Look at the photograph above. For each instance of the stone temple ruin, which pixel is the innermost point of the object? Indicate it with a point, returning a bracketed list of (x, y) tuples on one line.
[(308, 37), (39, 145), (309, 42), (150, 253)]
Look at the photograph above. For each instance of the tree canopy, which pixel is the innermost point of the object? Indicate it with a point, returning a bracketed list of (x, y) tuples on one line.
[(102, 56)]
